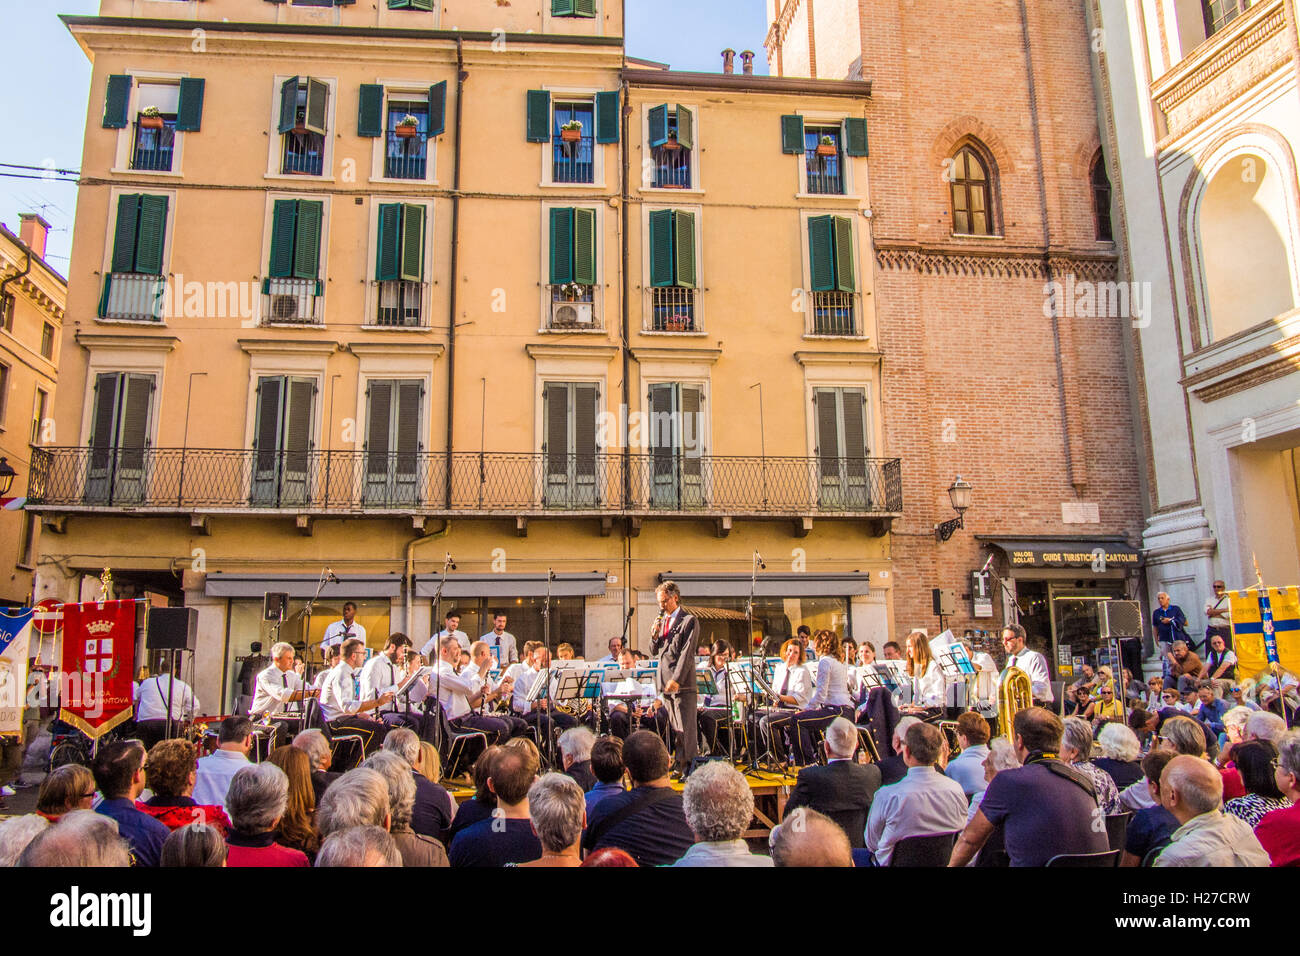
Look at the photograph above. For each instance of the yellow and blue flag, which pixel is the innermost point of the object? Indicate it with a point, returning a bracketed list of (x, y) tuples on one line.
[(1266, 628)]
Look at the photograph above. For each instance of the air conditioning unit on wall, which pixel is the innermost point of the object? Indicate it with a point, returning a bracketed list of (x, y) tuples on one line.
[(572, 315)]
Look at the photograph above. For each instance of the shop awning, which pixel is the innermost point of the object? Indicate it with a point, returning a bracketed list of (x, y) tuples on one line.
[(780, 585), (714, 613), (1071, 552), (303, 586), (587, 584)]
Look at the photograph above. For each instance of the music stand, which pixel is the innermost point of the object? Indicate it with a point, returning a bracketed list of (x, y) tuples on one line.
[(956, 666), (541, 690)]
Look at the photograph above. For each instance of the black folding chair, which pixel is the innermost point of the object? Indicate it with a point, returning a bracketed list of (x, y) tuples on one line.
[(1117, 829), (1104, 860), (931, 851)]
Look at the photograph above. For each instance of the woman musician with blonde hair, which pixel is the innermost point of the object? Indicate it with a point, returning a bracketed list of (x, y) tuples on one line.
[(926, 678), (830, 697)]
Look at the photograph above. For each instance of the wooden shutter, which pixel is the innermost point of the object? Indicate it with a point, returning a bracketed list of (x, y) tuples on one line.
[(657, 122), (607, 117), (561, 246), (284, 217), (828, 435), (378, 428), (584, 8), (539, 116), (411, 265), (151, 237), (692, 412), (399, 4), (844, 272), (406, 434), (422, 4), (438, 108), (370, 110), (104, 418), (855, 136), (133, 431), (661, 247), (585, 480), (555, 397), (298, 420), (189, 111), (684, 248), (117, 99), (584, 246), (317, 99), (685, 127), (266, 429), (821, 253), (128, 223), (792, 134), (855, 425), (288, 104), (561, 8), (389, 249), (306, 246)]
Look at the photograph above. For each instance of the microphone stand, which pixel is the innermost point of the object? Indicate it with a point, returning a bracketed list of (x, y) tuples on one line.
[(437, 650), (751, 768), (548, 718), (1007, 605)]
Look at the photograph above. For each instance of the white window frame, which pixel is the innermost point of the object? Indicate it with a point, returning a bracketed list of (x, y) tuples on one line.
[(126, 135), (858, 297), (106, 263), (647, 153), (400, 89), (646, 310), (264, 263), (570, 94), (829, 371), (268, 364), (39, 421), (371, 317), (597, 291), (105, 361), (822, 118), (275, 148)]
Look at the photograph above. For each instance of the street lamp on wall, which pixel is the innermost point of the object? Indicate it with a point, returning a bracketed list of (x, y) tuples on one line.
[(959, 493), (7, 476)]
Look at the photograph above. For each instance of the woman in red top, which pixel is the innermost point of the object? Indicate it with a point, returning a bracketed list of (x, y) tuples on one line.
[(67, 788), (257, 799), (169, 772)]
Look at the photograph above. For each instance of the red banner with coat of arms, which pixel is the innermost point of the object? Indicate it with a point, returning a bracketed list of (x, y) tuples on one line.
[(97, 663)]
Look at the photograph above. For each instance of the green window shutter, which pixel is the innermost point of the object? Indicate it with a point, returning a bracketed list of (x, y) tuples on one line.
[(412, 260), (390, 242), (658, 123), (828, 430), (133, 429), (288, 104), (661, 247), (844, 272), (103, 296), (607, 117), (438, 109), (561, 246), (821, 253), (539, 116), (189, 112), (370, 110), (399, 4), (685, 127), (584, 246), (561, 8), (855, 136), (855, 424), (306, 252), (584, 8), (379, 427), (284, 217), (684, 248), (406, 433), (421, 4), (117, 97), (152, 236), (556, 438), (792, 134), (128, 224), (317, 98)]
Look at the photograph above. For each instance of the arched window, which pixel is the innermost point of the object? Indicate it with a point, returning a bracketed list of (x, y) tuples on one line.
[(1101, 199), (972, 206)]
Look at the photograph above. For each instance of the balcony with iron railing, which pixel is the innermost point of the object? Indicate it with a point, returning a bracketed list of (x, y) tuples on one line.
[(573, 309), (573, 162), (134, 297), (406, 156), (672, 309), (153, 144), (304, 153), (824, 173), (291, 301), (400, 304), (658, 482), (672, 166), (833, 313)]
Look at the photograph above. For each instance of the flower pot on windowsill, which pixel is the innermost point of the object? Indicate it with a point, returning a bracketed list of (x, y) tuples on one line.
[(826, 149), (151, 122), (672, 143), (407, 132), (570, 135)]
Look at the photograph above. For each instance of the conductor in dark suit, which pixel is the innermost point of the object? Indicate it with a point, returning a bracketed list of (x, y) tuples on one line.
[(842, 790), (675, 638)]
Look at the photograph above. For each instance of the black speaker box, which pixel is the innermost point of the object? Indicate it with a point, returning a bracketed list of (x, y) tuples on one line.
[(172, 629)]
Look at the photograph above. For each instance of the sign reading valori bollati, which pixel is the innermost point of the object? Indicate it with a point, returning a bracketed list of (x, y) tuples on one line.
[(98, 648), (15, 637), (1074, 556)]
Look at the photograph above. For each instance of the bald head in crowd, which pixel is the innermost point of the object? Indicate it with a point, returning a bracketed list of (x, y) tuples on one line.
[(1190, 786), (808, 838)]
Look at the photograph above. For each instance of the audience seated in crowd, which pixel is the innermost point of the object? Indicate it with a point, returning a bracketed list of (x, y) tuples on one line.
[(359, 846), (83, 838), (807, 838), (967, 768), (1255, 761), (507, 837), (415, 848), (575, 751), (719, 807), (558, 811), (217, 769), (894, 769), (297, 828), (256, 800), (169, 773), (923, 803), (1279, 831), (434, 809), (64, 789), (1151, 827), (1120, 754), (648, 821), (317, 749), (196, 844), (1192, 790), (607, 767), (16, 833), (842, 790), (1076, 751), (119, 774)]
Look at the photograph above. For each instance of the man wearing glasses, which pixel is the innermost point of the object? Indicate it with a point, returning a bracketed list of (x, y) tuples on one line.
[(1031, 662), (1218, 614)]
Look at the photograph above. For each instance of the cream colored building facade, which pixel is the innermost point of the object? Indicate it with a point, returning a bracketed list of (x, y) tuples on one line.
[(1201, 111), (389, 313)]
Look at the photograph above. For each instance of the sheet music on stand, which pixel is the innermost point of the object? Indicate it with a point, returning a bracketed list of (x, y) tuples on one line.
[(893, 674), (571, 683), (705, 685), (541, 686), (407, 684), (955, 662)]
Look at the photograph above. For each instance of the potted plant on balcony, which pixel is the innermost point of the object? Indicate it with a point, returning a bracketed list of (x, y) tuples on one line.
[(407, 127), (571, 132), (151, 118), (672, 140), (572, 291), (677, 323), (826, 147)]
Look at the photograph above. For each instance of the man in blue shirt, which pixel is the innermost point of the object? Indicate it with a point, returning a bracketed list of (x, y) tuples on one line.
[(1168, 624), (119, 775), (507, 836), (648, 821), (607, 766)]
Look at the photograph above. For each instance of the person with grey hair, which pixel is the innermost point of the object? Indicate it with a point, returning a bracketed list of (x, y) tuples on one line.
[(359, 798), (806, 838), (1168, 624), (81, 838), (1263, 725), (277, 689), (842, 790), (719, 806), (317, 748), (557, 808), (416, 849), (1001, 756), (1185, 667), (1120, 754), (1192, 790), (194, 845), (256, 800), (16, 833), (575, 750), (923, 803), (359, 846), (434, 809), (1076, 751), (1279, 831)]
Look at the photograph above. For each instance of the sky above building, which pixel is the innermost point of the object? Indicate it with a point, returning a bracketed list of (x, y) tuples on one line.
[(45, 79)]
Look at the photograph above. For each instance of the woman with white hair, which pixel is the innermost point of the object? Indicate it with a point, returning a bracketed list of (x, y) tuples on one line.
[(1076, 751), (1120, 754), (719, 805), (416, 849), (16, 833), (558, 810), (256, 800)]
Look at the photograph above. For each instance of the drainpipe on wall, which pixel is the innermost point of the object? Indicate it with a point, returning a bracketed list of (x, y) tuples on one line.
[(625, 149), (455, 248)]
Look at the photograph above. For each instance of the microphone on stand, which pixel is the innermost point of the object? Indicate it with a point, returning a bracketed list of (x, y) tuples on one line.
[(331, 576), (761, 563), (988, 563), (450, 563)]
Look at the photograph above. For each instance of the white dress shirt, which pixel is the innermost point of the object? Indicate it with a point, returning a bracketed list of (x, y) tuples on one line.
[(1035, 665), (338, 632), (832, 684), (455, 690), (213, 776), (506, 642), (430, 649), (340, 694), (151, 699), (272, 691), (927, 690), (800, 687), (379, 675), (923, 803)]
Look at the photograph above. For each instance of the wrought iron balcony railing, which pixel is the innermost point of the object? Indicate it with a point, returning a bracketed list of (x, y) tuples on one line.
[(185, 480)]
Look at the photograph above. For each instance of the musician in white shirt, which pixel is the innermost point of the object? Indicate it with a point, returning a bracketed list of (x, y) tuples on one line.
[(341, 702), (793, 686), (342, 630), (151, 705), (450, 628), (1031, 662), (500, 642), (496, 689), (647, 712), (385, 673), (830, 698), (926, 676), (277, 687), (460, 693), (541, 712)]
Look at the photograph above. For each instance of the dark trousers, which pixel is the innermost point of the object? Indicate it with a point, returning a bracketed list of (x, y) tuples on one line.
[(495, 728), (150, 732), (806, 723), (518, 726), (372, 732), (621, 723), (682, 711), (545, 721), (772, 728)]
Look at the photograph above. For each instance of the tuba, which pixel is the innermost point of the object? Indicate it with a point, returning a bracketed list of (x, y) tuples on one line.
[(1015, 693)]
